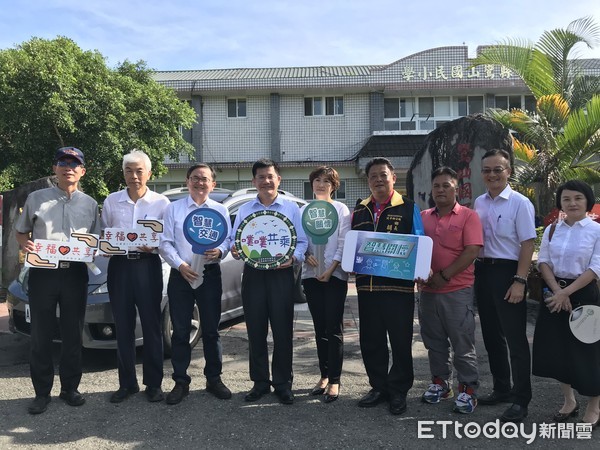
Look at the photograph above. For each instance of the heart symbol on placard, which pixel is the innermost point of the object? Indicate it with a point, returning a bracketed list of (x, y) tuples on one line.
[(63, 249), (132, 236)]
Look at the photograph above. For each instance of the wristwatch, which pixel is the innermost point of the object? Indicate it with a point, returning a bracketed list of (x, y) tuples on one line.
[(519, 279)]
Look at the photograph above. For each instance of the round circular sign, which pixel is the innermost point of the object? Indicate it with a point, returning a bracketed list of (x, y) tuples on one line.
[(585, 323), (205, 228), (319, 220), (265, 239)]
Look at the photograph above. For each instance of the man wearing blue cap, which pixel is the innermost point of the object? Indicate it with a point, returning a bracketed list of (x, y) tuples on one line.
[(54, 213)]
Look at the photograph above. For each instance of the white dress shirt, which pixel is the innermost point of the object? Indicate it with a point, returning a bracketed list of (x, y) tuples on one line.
[(334, 246), (174, 247), (507, 220), (573, 249), (119, 211)]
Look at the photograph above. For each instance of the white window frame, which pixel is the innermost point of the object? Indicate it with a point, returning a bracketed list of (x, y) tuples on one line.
[(323, 100), (237, 108)]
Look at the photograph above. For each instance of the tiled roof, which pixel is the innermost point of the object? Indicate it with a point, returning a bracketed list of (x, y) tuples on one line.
[(392, 145), (254, 74)]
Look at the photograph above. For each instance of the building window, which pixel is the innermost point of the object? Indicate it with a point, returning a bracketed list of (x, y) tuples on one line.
[(323, 106), (530, 103), (340, 194), (236, 107), (468, 105), (508, 102)]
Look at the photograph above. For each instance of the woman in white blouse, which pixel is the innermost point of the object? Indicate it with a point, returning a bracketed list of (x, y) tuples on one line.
[(569, 261), (326, 292)]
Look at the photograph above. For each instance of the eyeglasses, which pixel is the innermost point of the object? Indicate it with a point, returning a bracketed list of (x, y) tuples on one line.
[(495, 170), (202, 180), (69, 164)]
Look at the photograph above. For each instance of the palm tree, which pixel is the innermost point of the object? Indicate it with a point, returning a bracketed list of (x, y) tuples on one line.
[(560, 140)]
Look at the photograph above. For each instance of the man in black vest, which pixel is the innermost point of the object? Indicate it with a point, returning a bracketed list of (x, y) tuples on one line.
[(386, 305)]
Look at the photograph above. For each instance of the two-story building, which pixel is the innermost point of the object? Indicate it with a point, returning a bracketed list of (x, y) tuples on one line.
[(339, 116)]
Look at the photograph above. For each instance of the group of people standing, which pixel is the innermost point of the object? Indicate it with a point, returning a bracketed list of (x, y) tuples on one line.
[(483, 254)]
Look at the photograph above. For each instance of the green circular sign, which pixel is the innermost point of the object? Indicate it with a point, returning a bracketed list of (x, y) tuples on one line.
[(266, 239), (319, 220)]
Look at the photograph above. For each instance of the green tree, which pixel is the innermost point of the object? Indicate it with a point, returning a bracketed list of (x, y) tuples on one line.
[(52, 94), (560, 139)]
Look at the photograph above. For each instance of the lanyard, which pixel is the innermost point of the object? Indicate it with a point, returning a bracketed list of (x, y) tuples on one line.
[(379, 207)]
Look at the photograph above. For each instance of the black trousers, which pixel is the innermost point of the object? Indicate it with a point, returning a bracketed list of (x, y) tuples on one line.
[(137, 283), (504, 326), (383, 315), (68, 289), (182, 298), (326, 303), (267, 296)]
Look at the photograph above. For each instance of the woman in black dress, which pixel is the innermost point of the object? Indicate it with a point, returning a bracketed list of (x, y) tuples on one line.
[(569, 261)]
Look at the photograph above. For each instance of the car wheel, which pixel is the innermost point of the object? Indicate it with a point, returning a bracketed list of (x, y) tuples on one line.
[(167, 326)]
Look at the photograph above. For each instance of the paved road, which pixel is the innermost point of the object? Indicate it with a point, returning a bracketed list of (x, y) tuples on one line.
[(201, 421)]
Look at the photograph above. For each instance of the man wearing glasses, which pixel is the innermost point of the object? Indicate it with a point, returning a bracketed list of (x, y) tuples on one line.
[(500, 284), (54, 213), (386, 305), (177, 251), (135, 280)]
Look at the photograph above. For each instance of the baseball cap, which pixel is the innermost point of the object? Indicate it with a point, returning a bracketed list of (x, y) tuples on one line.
[(72, 152)]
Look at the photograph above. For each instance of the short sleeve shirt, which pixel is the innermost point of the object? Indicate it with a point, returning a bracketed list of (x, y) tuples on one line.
[(51, 214), (573, 249), (507, 220), (451, 234)]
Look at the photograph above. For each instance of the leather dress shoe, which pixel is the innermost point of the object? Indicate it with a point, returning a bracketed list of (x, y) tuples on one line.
[(285, 396), (39, 404), (331, 397), (218, 389), (154, 394), (562, 417), (494, 398), (372, 398), (398, 404), (256, 393), (121, 394), (328, 398), (177, 393), (516, 413), (72, 398), (317, 390)]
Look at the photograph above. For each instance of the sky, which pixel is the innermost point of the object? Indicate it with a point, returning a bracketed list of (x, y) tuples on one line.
[(219, 34)]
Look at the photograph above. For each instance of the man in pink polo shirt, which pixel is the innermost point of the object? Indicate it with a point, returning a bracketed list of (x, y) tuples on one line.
[(446, 302)]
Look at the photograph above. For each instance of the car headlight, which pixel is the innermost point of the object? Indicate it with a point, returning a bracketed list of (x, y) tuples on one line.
[(100, 289)]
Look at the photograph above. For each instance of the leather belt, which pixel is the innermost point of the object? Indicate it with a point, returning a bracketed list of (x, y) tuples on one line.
[(496, 261), (139, 255), (68, 264)]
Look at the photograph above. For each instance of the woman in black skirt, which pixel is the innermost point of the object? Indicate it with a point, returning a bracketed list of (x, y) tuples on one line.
[(569, 261)]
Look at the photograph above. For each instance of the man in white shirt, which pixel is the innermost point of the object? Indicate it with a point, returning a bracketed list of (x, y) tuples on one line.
[(177, 251), (267, 295), (501, 272), (135, 280)]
